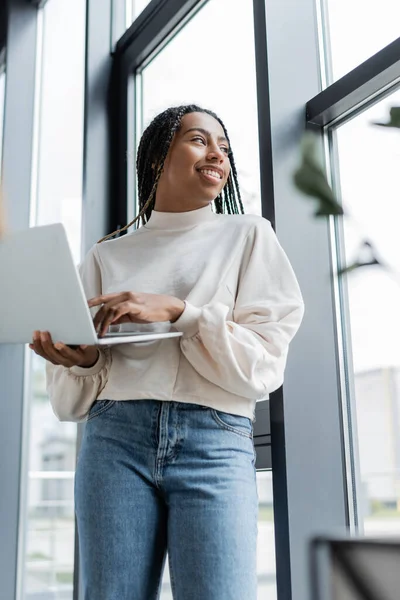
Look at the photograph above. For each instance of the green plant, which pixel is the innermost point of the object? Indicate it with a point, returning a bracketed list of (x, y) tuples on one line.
[(311, 180)]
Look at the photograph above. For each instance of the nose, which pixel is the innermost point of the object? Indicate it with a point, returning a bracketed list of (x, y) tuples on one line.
[(215, 153)]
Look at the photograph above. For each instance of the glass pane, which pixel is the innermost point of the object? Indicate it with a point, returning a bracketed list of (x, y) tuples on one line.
[(359, 29), (368, 161), (49, 527), (224, 83), (266, 569), (133, 10), (2, 97), (266, 572)]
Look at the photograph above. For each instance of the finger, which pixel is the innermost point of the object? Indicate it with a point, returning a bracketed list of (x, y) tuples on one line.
[(37, 344), (38, 348), (109, 317), (52, 352), (70, 355), (125, 312), (102, 299), (103, 312)]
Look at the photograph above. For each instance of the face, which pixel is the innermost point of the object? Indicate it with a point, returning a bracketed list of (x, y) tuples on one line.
[(197, 165)]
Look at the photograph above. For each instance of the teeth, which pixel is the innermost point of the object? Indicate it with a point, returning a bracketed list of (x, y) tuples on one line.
[(213, 173)]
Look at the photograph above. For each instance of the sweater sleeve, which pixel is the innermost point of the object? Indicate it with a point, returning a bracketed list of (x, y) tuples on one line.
[(73, 391), (247, 355)]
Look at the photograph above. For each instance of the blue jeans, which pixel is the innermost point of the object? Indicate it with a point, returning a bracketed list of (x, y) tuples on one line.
[(155, 476)]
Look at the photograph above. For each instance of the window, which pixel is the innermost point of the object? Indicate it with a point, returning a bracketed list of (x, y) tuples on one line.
[(359, 29), (2, 95), (368, 159), (133, 10), (57, 197), (182, 73), (266, 571)]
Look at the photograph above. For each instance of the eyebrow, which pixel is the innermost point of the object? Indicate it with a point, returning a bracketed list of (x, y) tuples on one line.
[(221, 138)]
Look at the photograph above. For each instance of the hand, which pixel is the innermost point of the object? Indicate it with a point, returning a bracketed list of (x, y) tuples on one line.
[(128, 307), (61, 354)]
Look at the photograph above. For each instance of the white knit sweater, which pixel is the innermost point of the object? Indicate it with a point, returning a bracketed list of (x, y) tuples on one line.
[(243, 307)]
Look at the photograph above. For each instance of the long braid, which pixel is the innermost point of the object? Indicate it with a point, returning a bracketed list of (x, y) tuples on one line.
[(152, 152)]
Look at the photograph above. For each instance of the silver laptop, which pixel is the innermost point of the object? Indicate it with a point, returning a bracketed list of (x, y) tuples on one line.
[(358, 568), (41, 290)]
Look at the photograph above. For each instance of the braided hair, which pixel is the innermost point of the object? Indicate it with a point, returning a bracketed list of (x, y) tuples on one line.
[(153, 149)]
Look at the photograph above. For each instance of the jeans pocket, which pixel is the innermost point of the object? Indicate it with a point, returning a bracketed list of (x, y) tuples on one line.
[(235, 423), (99, 407)]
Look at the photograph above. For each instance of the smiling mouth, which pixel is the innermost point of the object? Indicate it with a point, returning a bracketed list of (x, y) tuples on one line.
[(211, 174)]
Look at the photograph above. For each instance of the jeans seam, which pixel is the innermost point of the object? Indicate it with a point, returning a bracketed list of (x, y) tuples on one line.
[(229, 427), (106, 407)]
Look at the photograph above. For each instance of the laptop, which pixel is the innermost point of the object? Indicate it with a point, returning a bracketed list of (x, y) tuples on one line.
[(355, 568), (41, 290)]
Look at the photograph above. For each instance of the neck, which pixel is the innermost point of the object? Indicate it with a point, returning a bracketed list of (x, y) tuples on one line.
[(174, 207), (173, 220)]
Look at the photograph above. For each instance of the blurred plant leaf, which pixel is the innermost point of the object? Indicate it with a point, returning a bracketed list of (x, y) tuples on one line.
[(366, 258), (311, 180), (394, 119)]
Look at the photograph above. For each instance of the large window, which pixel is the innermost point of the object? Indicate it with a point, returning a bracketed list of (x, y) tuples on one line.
[(56, 197), (358, 29), (182, 74), (368, 159)]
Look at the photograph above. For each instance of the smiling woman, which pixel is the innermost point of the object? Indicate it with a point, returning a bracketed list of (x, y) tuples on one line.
[(186, 405), (200, 152), (177, 146)]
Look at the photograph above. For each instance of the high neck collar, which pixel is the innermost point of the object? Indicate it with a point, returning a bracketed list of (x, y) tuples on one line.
[(179, 220)]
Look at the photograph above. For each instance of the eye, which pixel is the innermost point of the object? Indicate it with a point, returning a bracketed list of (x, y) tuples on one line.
[(198, 138), (225, 149)]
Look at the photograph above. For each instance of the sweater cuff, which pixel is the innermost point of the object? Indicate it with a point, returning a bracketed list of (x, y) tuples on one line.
[(96, 368), (188, 322)]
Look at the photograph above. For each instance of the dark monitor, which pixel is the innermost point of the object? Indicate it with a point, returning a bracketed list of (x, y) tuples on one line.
[(355, 569)]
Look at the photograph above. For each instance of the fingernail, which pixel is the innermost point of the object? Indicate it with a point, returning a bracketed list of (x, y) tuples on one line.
[(58, 346)]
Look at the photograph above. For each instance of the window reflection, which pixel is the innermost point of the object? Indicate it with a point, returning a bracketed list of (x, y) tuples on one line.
[(368, 162), (49, 526)]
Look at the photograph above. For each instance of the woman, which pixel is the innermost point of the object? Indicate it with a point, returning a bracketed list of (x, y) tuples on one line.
[(167, 460)]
